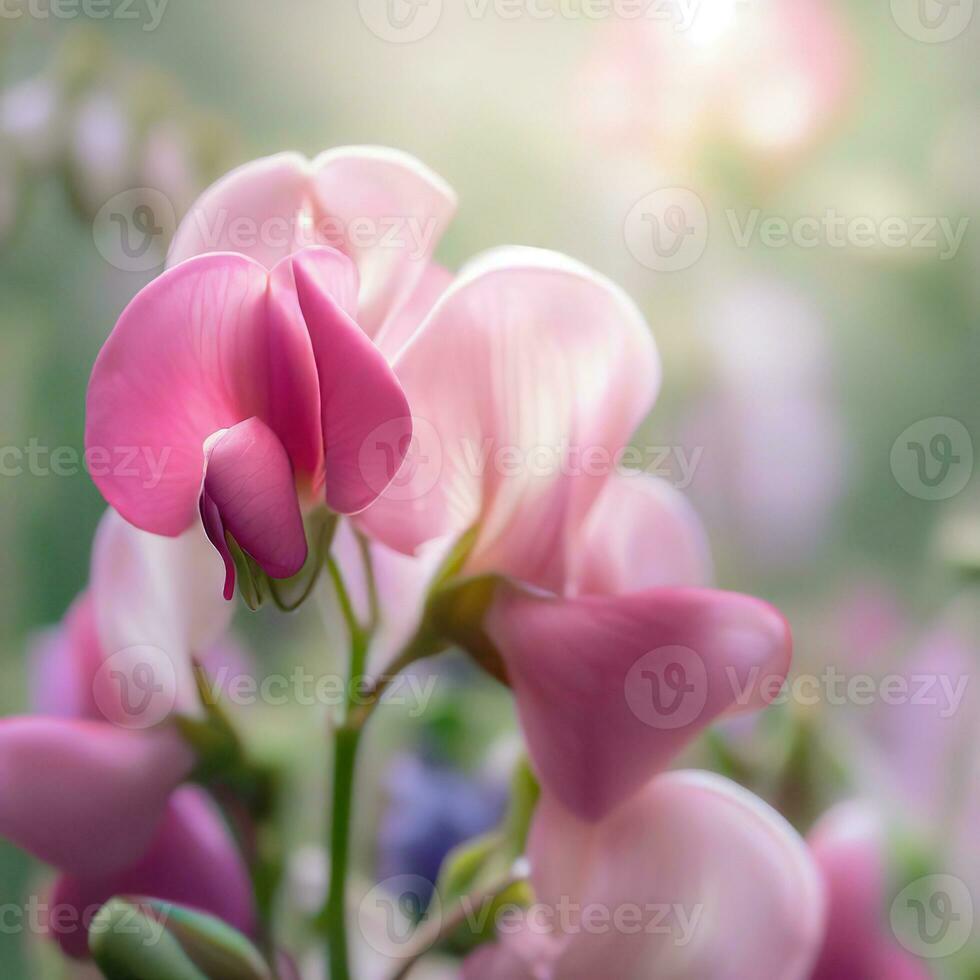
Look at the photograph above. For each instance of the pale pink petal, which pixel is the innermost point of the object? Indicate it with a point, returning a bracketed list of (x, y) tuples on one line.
[(400, 328), (156, 597), (255, 210), (64, 661), (249, 482), (85, 796), (390, 210), (517, 956), (529, 361), (192, 860), (361, 399), (640, 534), (188, 357), (609, 689), (382, 208), (696, 878)]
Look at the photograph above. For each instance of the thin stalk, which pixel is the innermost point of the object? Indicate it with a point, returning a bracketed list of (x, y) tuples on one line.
[(347, 739)]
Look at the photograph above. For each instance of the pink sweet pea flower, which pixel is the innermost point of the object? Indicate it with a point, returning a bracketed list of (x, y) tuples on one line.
[(732, 889), (526, 381), (90, 785), (848, 849), (244, 382), (191, 860), (84, 783)]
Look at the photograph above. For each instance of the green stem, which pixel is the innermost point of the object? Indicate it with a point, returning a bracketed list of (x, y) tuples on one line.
[(344, 769)]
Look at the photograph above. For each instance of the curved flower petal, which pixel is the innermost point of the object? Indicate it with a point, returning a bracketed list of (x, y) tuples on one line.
[(391, 210), (609, 689), (382, 208), (254, 210), (64, 661), (640, 534), (192, 860), (361, 399), (157, 596), (187, 358), (696, 878), (249, 484), (399, 329), (85, 796), (529, 368)]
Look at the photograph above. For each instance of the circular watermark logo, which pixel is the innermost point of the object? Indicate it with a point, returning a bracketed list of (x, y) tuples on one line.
[(933, 916), (132, 229), (933, 458), (401, 461), (933, 21), (667, 230), (392, 916), (401, 21), (667, 688), (136, 687)]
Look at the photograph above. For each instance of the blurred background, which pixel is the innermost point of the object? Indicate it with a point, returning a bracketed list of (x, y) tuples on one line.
[(787, 187)]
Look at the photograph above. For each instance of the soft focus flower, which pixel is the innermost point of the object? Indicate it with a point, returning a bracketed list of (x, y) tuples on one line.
[(848, 848), (733, 888), (767, 78), (87, 779), (191, 860), (518, 446), (430, 809), (90, 783), (257, 370), (770, 437)]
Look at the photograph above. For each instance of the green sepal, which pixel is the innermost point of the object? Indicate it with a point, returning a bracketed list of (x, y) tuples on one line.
[(290, 593), (146, 939)]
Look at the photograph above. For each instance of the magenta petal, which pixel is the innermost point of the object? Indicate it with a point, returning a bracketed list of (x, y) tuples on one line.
[(249, 484), (188, 357), (609, 689), (847, 845), (366, 421), (192, 860), (85, 796)]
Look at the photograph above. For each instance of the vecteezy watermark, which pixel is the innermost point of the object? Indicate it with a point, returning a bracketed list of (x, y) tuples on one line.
[(668, 229), (406, 21), (149, 12), (139, 687), (669, 687), (132, 462), (133, 228), (933, 21), (136, 687), (410, 234), (392, 915), (933, 916), (933, 458), (41, 918), (831, 229), (403, 459)]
